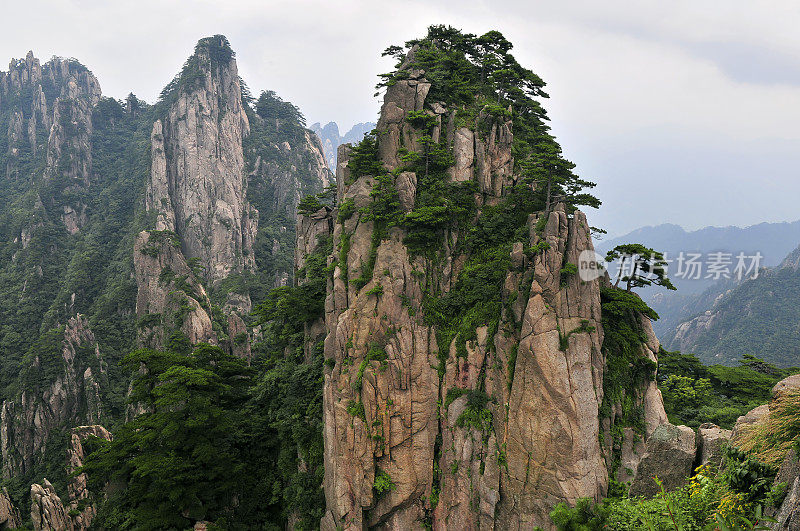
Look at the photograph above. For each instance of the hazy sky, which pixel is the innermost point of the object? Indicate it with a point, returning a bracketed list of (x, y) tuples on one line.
[(681, 111)]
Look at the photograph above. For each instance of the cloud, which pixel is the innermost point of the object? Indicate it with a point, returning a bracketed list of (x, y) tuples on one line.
[(694, 96)]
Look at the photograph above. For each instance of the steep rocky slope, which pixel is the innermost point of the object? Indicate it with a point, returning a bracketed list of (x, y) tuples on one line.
[(331, 138), (126, 224), (465, 360), (758, 316)]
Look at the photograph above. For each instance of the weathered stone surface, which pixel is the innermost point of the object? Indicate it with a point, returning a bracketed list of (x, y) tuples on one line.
[(72, 398), (786, 385), (9, 515), (199, 190), (788, 514), (159, 266), (710, 441), (631, 452), (669, 455), (407, 190), (77, 489), (47, 511), (60, 126), (501, 426)]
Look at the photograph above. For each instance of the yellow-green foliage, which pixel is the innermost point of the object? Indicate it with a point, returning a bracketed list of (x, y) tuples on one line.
[(710, 501), (773, 436)]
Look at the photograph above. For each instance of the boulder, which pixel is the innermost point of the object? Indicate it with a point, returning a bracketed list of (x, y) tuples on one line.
[(669, 455), (710, 441), (787, 384), (47, 510), (788, 515), (748, 419)]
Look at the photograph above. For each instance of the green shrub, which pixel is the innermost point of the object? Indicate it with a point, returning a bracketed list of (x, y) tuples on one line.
[(383, 483)]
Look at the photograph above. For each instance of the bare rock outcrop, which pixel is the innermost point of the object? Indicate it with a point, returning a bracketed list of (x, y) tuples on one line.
[(750, 418), (787, 517), (669, 455), (198, 192), (9, 515), (82, 512), (169, 295), (47, 510), (711, 440), (197, 187), (55, 118), (786, 385)]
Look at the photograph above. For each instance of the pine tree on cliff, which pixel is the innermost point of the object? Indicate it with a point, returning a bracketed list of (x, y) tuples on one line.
[(647, 266), (480, 73), (553, 176)]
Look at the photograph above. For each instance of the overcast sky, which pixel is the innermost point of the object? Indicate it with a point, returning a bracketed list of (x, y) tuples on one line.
[(682, 111)]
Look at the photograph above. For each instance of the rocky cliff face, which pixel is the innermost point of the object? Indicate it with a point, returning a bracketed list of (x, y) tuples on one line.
[(197, 187), (48, 511), (217, 161), (452, 419), (169, 295), (81, 177), (53, 398), (50, 110)]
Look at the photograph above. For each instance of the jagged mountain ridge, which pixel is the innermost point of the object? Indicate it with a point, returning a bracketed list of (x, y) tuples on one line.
[(331, 138), (758, 316), (216, 173)]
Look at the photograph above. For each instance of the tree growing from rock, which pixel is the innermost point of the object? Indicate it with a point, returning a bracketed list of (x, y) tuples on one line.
[(639, 266), (552, 175)]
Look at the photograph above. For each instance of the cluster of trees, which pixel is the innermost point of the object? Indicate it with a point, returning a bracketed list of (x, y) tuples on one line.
[(695, 393), (217, 440), (479, 78)]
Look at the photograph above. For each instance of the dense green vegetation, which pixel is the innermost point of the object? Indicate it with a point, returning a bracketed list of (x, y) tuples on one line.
[(179, 460), (214, 431), (695, 393), (241, 446), (272, 123), (733, 499), (48, 275), (758, 317)]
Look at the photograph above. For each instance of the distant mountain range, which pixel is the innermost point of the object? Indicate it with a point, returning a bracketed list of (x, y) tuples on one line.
[(758, 316), (716, 317), (331, 139)]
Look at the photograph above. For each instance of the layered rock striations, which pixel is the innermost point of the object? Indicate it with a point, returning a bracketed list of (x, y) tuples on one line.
[(197, 187), (443, 408)]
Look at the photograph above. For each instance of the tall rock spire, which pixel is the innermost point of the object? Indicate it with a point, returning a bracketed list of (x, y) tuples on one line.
[(198, 187), (464, 356)]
